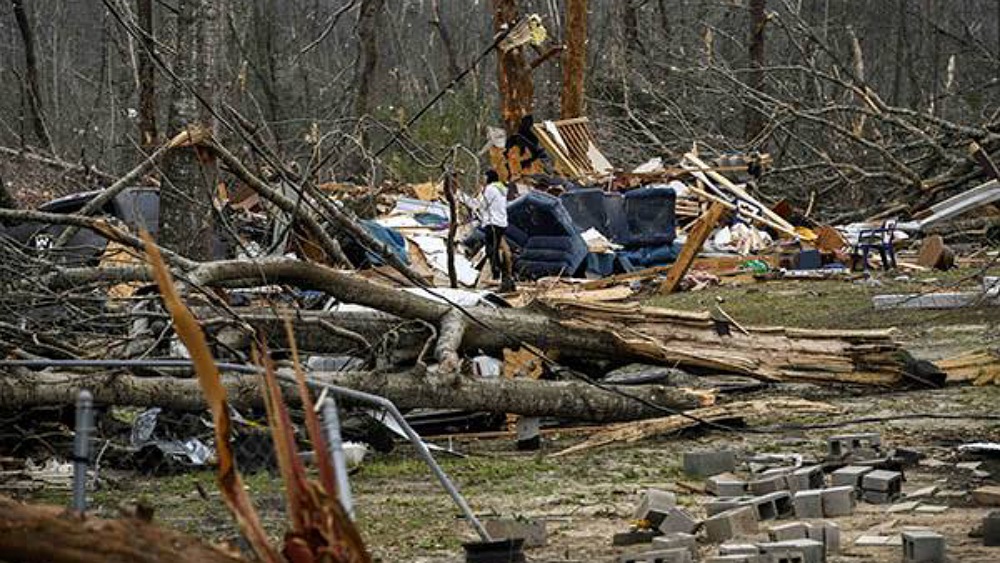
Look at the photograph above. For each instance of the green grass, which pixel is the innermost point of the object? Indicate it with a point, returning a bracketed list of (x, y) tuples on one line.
[(833, 304)]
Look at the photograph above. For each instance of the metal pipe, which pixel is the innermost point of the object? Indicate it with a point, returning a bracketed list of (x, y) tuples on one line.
[(81, 448), (331, 419)]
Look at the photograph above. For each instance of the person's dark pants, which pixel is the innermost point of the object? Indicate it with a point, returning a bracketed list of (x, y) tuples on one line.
[(494, 236)]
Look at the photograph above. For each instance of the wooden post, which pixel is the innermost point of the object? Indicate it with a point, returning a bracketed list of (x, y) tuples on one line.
[(696, 239), (449, 195)]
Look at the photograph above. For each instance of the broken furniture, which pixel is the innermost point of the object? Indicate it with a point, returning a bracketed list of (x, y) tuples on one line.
[(878, 239), (571, 145)]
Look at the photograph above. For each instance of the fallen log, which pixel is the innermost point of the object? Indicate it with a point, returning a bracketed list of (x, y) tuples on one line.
[(634, 431), (626, 332), (409, 389), (33, 533)]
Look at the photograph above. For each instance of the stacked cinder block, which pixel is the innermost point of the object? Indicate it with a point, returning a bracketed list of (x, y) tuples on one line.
[(882, 487)]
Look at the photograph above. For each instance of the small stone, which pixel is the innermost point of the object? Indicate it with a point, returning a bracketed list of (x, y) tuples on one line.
[(923, 492), (969, 465), (931, 462), (932, 508), (903, 506), (987, 496), (868, 541)]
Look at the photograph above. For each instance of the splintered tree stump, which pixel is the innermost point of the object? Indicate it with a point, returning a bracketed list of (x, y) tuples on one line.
[(50, 534)]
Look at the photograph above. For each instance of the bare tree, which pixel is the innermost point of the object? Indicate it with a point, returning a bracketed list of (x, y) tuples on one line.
[(758, 20), (368, 18), (574, 61), (189, 175), (31, 75), (148, 136), (514, 80)]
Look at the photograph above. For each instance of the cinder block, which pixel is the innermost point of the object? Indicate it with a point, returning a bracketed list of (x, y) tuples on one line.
[(739, 549), (923, 547), (782, 501), (653, 506), (532, 531), (726, 485), (806, 478), (735, 523), (633, 537), (850, 475), (766, 485), (675, 540), (709, 462), (733, 559), (680, 555), (789, 531), (890, 482), (677, 519), (876, 497), (828, 533), (858, 446), (808, 504), (838, 501), (991, 529), (718, 505), (794, 551)]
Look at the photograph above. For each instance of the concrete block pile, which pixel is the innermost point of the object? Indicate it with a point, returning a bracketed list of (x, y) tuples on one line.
[(773, 507)]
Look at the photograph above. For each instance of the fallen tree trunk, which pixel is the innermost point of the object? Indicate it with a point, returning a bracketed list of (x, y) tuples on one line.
[(626, 332), (410, 389), (32, 533)]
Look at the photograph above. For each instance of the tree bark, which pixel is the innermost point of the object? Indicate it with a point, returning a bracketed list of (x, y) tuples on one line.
[(755, 80), (514, 78), (408, 389), (31, 76), (368, 21), (449, 47), (572, 102), (148, 136), (186, 220), (33, 533)]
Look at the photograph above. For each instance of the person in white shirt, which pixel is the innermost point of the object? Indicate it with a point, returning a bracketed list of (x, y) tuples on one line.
[(491, 209)]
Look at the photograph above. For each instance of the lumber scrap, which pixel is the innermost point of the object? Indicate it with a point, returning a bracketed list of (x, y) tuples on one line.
[(703, 172), (32, 533), (574, 150), (748, 411), (981, 367), (695, 240)]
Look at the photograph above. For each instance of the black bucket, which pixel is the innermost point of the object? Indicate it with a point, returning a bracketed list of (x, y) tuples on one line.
[(496, 551)]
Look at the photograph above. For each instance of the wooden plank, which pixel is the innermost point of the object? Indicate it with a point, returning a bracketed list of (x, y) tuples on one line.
[(696, 239), (740, 192)]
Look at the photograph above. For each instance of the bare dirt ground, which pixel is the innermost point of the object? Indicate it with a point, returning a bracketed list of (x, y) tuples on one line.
[(586, 498)]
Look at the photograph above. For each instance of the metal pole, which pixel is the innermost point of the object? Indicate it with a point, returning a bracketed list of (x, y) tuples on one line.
[(332, 421), (414, 438), (81, 448)]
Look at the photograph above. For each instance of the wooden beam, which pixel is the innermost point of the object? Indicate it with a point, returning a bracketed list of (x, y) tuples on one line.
[(696, 239)]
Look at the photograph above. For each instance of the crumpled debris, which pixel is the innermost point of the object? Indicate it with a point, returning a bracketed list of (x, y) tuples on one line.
[(742, 239), (697, 280), (190, 451)]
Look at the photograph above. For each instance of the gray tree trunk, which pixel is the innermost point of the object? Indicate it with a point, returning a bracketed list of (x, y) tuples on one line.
[(186, 222)]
